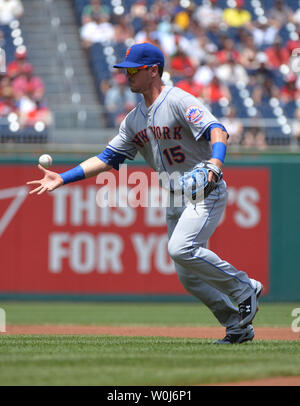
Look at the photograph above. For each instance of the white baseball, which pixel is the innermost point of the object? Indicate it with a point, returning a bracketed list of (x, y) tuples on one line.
[(45, 160)]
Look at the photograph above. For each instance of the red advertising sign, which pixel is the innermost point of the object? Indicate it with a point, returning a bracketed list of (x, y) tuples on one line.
[(63, 242)]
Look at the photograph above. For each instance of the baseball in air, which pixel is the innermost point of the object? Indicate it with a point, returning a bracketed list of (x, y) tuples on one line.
[(45, 160)]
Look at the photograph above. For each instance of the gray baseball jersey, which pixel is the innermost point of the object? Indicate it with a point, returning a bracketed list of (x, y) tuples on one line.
[(169, 134)]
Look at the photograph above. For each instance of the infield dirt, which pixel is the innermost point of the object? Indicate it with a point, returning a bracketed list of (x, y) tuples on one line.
[(261, 333)]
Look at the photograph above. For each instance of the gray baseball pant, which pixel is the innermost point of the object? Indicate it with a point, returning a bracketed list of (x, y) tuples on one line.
[(201, 272)]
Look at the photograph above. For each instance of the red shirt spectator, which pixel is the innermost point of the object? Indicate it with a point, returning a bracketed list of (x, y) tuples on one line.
[(189, 85), (214, 91), (277, 55), (228, 52), (14, 68), (224, 56), (27, 83), (181, 64)]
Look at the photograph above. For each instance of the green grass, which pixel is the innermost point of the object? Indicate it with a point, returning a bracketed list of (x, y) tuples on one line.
[(92, 360), (160, 314), (114, 361)]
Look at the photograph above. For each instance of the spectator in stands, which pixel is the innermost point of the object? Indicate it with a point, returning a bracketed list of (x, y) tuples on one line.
[(232, 73), (215, 90), (227, 51), (264, 33), (164, 37), (182, 17), (258, 76), (95, 7), (16, 67), (280, 14), (260, 140), (137, 15), (159, 12), (289, 92), (7, 102), (254, 138), (248, 140), (123, 30), (32, 112), (234, 126), (171, 41), (206, 71), (277, 54), (148, 32), (263, 81), (28, 84), (209, 15), (5, 83), (180, 64), (237, 16), (199, 44), (189, 85), (248, 52), (10, 10), (138, 9), (99, 29), (263, 92), (119, 100)]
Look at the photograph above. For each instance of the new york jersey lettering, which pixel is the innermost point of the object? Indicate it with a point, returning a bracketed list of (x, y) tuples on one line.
[(166, 133), (141, 138)]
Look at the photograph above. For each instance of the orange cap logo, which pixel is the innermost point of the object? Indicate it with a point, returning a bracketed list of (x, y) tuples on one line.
[(127, 52)]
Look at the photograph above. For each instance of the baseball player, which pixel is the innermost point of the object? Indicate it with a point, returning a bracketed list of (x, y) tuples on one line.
[(174, 132)]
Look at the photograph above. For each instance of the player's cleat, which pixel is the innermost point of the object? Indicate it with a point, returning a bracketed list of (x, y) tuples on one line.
[(246, 335), (249, 307)]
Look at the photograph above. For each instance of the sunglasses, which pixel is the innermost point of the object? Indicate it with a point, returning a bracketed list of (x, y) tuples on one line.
[(133, 71)]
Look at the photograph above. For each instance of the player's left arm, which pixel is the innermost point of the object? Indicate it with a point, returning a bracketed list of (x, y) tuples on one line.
[(218, 139)]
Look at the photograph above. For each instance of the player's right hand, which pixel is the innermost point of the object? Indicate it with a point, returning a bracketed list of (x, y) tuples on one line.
[(49, 182)]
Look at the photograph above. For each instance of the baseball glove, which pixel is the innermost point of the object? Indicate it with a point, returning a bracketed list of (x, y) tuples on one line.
[(195, 184)]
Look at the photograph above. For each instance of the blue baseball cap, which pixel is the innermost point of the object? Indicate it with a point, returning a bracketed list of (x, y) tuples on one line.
[(142, 55)]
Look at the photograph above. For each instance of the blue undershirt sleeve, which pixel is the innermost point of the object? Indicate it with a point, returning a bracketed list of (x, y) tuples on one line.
[(207, 132), (112, 158)]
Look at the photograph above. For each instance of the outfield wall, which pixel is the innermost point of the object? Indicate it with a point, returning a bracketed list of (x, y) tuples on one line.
[(63, 246)]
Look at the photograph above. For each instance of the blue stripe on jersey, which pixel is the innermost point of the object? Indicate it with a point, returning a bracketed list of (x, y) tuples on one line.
[(121, 151), (144, 115), (161, 158), (112, 158), (162, 102)]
